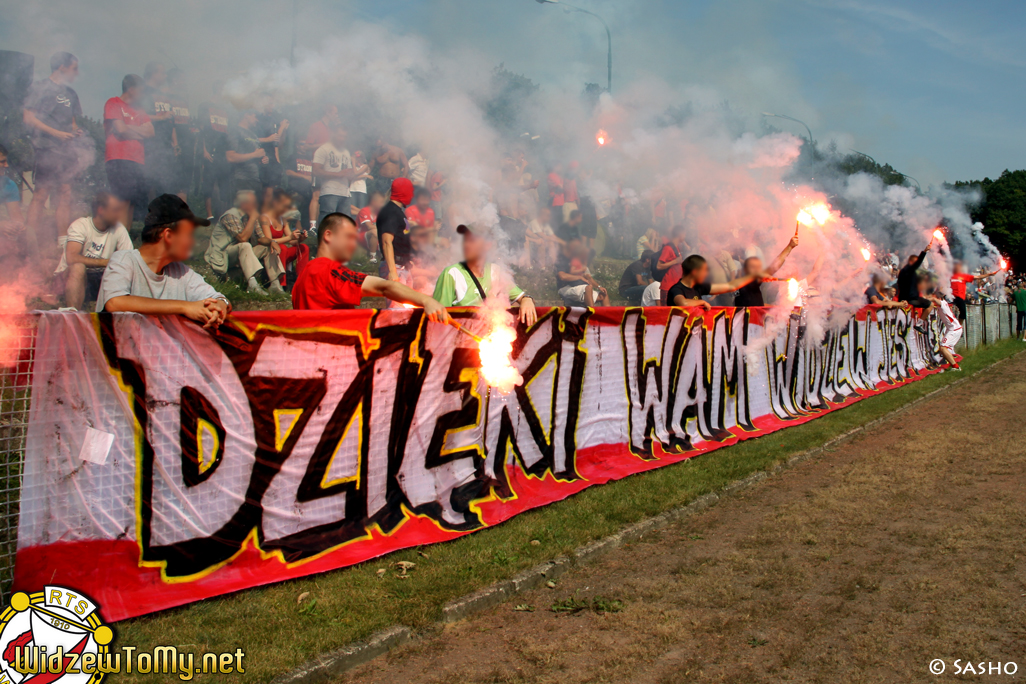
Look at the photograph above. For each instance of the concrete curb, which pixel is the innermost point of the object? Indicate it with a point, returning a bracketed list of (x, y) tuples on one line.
[(334, 663)]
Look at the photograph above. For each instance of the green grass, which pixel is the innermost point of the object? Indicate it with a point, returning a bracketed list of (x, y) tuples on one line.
[(278, 632)]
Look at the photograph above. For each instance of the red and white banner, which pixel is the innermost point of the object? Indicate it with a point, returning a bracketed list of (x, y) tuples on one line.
[(165, 464)]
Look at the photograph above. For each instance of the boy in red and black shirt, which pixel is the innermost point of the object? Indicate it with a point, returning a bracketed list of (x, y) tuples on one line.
[(126, 127), (327, 283)]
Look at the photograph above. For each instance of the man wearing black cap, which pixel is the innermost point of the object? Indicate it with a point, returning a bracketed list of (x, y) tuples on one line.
[(153, 280)]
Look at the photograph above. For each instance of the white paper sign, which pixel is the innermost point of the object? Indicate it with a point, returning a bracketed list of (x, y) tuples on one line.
[(96, 446)]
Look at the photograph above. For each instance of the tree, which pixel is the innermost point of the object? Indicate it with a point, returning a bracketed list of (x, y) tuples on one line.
[(1002, 211), (506, 106)]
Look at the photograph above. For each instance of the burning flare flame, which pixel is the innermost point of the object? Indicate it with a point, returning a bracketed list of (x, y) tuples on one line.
[(820, 213), (601, 137), (866, 254), (1004, 264), (496, 351), (792, 289), (938, 234)]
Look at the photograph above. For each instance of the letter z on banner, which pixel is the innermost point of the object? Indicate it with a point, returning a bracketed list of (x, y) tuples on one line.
[(166, 465)]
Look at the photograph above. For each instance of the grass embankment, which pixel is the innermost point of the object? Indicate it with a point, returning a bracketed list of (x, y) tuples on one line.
[(278, 632)]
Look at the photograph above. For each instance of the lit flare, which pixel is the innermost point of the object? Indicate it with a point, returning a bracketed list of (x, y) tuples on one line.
[(792, 289), (866, 254), (495, 351), (601, 137), (819, 213), (1004, 264), (938, 234)]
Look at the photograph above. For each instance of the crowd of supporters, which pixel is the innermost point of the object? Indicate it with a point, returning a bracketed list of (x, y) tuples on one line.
[(284, 193)]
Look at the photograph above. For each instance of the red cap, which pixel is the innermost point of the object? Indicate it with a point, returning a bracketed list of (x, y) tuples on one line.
[(402, 191)]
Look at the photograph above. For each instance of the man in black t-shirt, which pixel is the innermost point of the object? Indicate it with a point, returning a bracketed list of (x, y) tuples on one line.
[(270, 128), (908, 281), (394, 234), (186, 134), (245, 154), (62, 152), (751, 294), (571, 229), (636, 278), (160, 156), (692, 286)]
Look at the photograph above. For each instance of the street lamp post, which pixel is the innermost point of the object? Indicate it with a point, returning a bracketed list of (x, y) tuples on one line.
[(791, 118), (609, 36)]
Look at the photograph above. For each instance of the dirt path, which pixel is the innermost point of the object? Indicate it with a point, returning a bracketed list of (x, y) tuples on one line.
[(862, 565)]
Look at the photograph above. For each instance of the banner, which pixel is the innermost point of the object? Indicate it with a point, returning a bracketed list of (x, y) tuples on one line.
[(166, 464)]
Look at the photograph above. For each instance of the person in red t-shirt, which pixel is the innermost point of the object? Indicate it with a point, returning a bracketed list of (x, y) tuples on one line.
[(126, 127), (367, 224), (959, 280), (668, 270), (326, 283), (420, 213)]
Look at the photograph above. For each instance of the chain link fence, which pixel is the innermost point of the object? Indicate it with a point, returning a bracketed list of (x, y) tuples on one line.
[(985, 325)]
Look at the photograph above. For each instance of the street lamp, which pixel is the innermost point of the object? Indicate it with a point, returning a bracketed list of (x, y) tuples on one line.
[(609, 36), (791, 118)]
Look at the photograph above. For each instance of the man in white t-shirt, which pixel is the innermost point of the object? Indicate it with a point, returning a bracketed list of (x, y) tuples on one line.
[(333, 168), (92, 240)]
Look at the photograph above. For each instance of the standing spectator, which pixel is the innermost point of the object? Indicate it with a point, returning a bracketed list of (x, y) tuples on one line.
[(435, 184), (231, 244), (333, 169), (667, 269), (472, 281), (185, 134), (92, 240), (214, 180), (126, 127), (358, 186), (556, 195), (571, 229), (959, 280), (51, 114), (389, 163), (693, 285), (274, 232), (570, 196), (245, 154), (418, 167), (10, 197), (1020, 309), (153, 280), (636, 278), (160, 156), (317, 134), (271, 128), (367, 229), (751, 294), (394, 234), (542, 245), (908, 284), (299, 181)]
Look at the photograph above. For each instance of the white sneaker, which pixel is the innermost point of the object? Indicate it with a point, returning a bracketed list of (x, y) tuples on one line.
[(276, 288), (254, 287)]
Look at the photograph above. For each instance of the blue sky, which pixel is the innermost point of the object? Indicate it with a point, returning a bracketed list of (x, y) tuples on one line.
[(934, 88)]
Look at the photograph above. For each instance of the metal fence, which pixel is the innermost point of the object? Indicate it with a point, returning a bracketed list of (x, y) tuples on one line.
[(985, 325)]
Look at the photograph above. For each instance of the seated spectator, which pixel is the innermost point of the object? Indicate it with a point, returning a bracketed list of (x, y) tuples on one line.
[(573, 279), (636, 278), (153, 280), (230, 244), (649, 241), (367, 224), (471, 281), (326, 283), (92, 241), (692, 285), (878, 294), (541, 244), (418, 165), (651, 295), (275, 234)]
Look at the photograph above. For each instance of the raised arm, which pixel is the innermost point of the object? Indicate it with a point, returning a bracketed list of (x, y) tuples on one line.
[(779, 261), (397, 292)]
